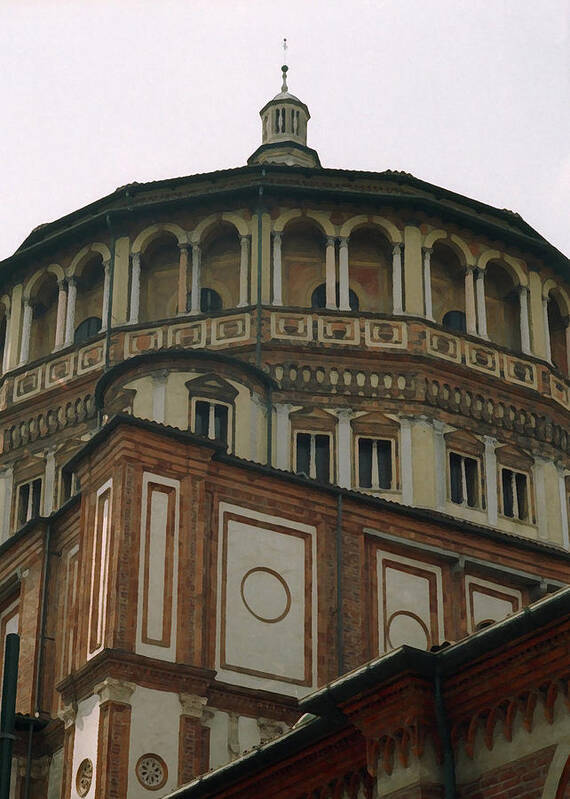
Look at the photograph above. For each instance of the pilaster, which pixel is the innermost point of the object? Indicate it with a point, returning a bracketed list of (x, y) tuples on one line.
[(120, 303), (113, 738), (413, 279), (194, 738)]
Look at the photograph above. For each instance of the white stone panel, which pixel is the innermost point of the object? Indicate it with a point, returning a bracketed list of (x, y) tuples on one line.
[(266, 619), (55, 775), (154, 730), (217, 721), (85, 741), (100, 569), (489, 602), (409, 594)]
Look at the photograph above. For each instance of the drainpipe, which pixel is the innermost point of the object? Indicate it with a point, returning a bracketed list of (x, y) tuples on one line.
[(449, 781), (339, 597), (8, 716), (41, 643), (110, 302)]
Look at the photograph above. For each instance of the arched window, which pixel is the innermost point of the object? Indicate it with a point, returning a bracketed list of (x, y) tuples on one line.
[(319, 297), (455, 320), (210, 301), (87, 329)]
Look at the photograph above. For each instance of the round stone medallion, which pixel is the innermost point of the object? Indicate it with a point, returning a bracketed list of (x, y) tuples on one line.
[(151, 771), (84, 777), (265, 594)]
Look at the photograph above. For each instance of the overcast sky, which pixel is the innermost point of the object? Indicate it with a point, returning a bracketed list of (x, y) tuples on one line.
[(472, 95)]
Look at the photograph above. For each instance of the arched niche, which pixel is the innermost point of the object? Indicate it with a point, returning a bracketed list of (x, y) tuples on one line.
[(557, 323), (159, 278), (502, 305), (370, 268), (90, 278), (447, 286), (220, 263), (303, 257), (43, 299)]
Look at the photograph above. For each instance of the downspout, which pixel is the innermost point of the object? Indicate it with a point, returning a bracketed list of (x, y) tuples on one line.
[(449, 780), (269, 431), (39, 668), (110, 301), (339, 595)]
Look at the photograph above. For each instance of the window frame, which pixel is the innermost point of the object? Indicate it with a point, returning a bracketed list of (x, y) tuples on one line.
[(527, 519), (29, 511), (478, 480), (212, 402), (360, 436), (314, 432)]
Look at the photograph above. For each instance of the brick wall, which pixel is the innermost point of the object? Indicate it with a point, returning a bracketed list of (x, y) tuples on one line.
[(520, 779)]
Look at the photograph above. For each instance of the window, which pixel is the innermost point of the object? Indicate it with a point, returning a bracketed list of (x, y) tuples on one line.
[(211, 420), (313, 455), (87, 329), (29, 499), (375, 458), (210, 301), (514, 491), (69, 485), (319, 297), (455, 320), (464, 480)]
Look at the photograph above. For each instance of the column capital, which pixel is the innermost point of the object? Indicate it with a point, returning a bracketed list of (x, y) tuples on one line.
[(277, 235), (490, 441), (523, 289), (427, 250), (193, 705), (331, 240), (61, 283), (471, 268), (344, 413), (68, 715), (113, 690), (135, 256), (343, 241), (397, 247), (183, 245), (246, 238)]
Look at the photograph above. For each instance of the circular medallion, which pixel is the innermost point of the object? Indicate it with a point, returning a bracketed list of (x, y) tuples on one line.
[(151, 771), (405, 628), (84, 777), (265, 594)]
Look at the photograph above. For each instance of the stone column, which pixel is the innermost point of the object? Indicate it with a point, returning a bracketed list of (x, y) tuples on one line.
[(15, 325), (60, 325), (406, 461), (428, 305), (194, 738), (6, 351), (67, 715), (567, 321), (343, 447), (6, 488), (70, 318), (49, 481), (481, 305), (525, 328), (397, 298), (540, 496), (440, 464), (135, 288), (106, 294), (195, 309), (159, 380), (563, 507), (243, 270), (113, 737), (277, 270), (546, 328), (330, 267), (282, 449), (26, 332), (343, 276), (470, 302), (490, 461), (183, 279)]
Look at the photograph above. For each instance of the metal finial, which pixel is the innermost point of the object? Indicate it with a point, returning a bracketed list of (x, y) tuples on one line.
[(284, 68)]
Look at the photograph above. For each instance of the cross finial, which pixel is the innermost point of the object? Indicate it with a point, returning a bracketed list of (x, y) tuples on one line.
[(284, 68)]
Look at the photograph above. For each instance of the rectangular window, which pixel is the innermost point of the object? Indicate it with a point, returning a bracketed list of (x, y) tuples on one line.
[(211, 419), (515, 494), (375, 463), (464, 480), (313, 456), (29, 500)]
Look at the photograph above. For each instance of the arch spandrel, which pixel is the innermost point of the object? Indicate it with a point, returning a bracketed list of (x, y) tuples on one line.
[(513, 265), (146, 236), (197, 235), (79, 260), (433, 236), (387, 227), (464, 248)]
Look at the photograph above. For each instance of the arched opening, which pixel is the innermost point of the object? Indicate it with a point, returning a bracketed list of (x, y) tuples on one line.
[(210, 301), (370, 267), (159, 279), (220, 264), (303, 257), (319, 298), (43, 300), (448, 288), (89, 301), (557, 333), (503, 307)]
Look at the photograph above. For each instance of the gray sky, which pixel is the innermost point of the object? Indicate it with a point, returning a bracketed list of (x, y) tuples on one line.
[(473, 95)]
